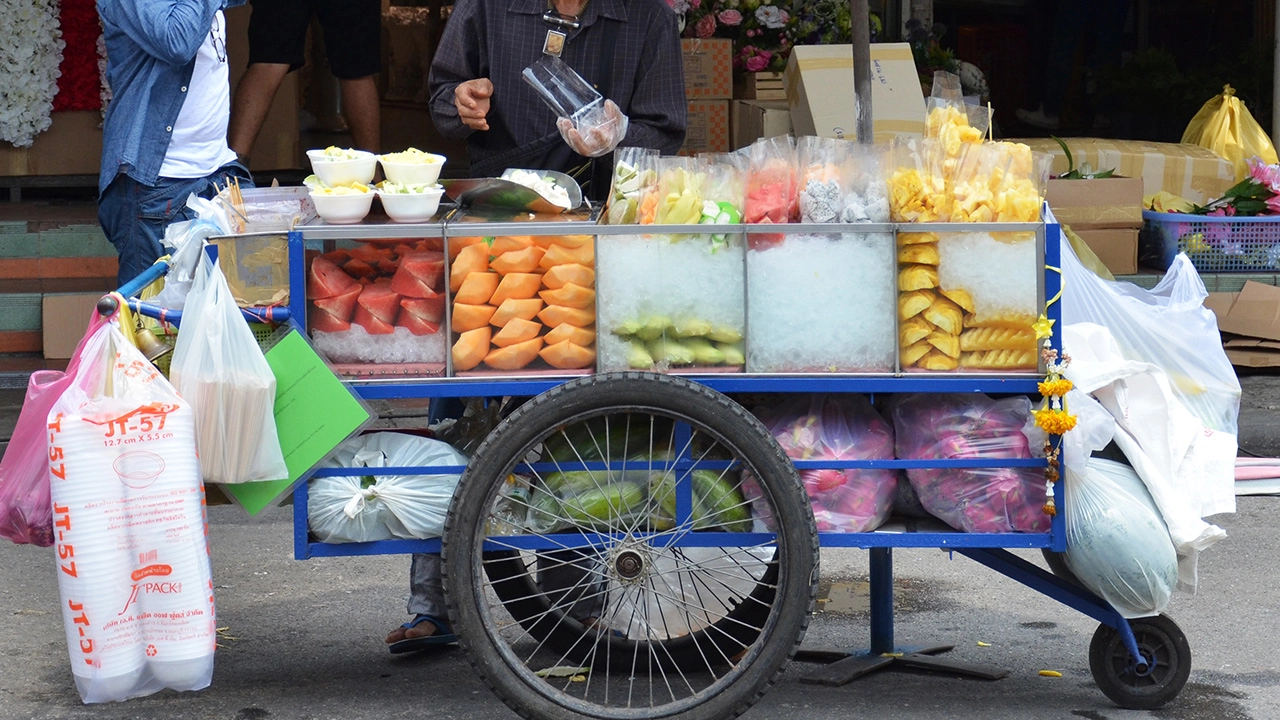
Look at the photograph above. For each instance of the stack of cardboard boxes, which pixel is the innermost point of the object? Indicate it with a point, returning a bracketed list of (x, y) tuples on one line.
[(708, 85), (1106, 213), (1250, 324)]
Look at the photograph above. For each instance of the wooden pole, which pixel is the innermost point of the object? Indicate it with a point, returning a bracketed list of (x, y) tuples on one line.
[(860, 20)]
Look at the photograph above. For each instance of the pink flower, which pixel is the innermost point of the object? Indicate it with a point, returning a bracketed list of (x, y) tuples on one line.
[(705, 27), (1273, 204), (1264, 174), (756, 63), (732, 18), (753, 32)]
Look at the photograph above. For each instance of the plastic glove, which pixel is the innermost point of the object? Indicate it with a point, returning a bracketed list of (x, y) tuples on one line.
[(598, 133)]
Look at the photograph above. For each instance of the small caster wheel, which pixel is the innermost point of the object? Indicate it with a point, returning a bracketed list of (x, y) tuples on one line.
[(1153, 681)]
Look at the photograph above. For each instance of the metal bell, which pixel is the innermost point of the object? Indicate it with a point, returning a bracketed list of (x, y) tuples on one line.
[(150, 345)]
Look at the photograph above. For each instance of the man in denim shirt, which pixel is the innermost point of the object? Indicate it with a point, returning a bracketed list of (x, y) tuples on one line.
[(165, 134)]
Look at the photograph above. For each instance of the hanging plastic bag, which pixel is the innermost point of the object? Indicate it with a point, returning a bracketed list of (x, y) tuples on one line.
[(380, 507), (955, 427), (1117, 545), (25, 513), (1225, 126), (128, 510), (219, 368), (186, 239), (836, 427)]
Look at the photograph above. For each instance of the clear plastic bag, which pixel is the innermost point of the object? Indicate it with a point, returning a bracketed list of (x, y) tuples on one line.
[(1117, 545), (25, 513), (863, 178), (380, 507), (771, 186), (836, 427), (219, 368), (630, 175), (822, 191), (187, 241), (954, 427), (917, 183)]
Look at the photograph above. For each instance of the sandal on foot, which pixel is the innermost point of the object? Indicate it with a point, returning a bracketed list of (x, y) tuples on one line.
[(443, 636)]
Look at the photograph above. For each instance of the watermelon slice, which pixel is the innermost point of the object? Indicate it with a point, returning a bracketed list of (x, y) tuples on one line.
[(428, 309), (380, 301), (359, 269), (371, 324), (419, 273), (370, 253), (343, 304), (436, 244), (337, 256), (417, 325), (325, 322), (327, 280)]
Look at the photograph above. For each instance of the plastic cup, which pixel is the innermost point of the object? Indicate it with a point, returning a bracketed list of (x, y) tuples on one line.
[(561, 88)]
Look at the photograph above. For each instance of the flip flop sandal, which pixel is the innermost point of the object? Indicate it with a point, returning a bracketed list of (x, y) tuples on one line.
[(444, 636)]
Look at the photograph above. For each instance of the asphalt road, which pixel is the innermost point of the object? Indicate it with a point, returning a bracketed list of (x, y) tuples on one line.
[(303, 639)]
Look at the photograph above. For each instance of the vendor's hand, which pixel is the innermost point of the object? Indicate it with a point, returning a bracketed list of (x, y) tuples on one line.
[(597, 136), (472, 100)]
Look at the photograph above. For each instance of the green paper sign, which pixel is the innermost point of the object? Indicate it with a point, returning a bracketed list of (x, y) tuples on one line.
[(314, 412)]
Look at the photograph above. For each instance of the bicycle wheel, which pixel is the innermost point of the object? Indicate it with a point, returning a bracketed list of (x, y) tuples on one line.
[(623, 578)]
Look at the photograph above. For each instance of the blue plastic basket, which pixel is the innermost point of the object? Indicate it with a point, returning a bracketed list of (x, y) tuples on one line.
[(1214, 244)]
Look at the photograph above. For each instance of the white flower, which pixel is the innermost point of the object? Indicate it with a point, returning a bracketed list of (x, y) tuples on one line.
[(771, 17), (30, 53)]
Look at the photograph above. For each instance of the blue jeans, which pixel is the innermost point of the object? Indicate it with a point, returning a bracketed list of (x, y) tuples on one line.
[(133, 216)]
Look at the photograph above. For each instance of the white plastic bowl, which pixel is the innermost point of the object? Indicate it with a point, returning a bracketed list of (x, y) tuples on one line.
[(343, 172), (343, 209), (411, 207), (413, 173)]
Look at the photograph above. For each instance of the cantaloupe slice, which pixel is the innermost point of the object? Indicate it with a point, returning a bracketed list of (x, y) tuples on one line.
[(471, 317), (569, 241), (567, 355), (472, 259), (583, 336), (518, 261), (507, 243), (517, 330), (557, 315), (456, 244), (514, 357), (516, 285), (571, 295), (477, 288), (561, 255), (470, 348), (525, 309), (556, 277)]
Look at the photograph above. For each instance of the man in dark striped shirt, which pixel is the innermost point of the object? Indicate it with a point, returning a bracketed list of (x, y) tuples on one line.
[(629, 50)]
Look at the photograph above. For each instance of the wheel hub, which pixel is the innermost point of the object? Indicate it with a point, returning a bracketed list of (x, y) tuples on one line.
[(629, 564)]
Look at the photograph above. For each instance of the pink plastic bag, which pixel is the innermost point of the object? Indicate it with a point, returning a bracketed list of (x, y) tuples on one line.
[(25, 513), (953, 427), (836, 427)]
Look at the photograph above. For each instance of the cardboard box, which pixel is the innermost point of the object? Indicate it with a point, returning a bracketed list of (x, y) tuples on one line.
[(1189, 171), (819, 80), (71, 146), (759, 86), (1253, 314), (1116, 248), (1106, 203), (750, 120), (63, 317), (708, 129), (708, 68)]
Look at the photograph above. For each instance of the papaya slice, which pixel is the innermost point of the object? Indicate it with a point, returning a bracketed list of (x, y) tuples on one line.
[(584, 254), (514, 357), (516, 285), (477, 288), (470, 348), (518, 261), (568, 355), (511, 308), (583, 336), (570, 241), (507, 243), (516, 330), (571, 295), (457, 244), (557, 315), (557, 276), (472, 259), (471, 317)]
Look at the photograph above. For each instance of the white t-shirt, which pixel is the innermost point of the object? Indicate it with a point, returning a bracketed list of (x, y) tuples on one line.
[(198, 144)]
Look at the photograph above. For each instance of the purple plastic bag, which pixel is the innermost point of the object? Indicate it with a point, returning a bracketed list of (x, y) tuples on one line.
[(26, 516)]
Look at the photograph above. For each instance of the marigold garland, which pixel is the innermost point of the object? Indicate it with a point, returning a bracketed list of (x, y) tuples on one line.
[(1052, 417)]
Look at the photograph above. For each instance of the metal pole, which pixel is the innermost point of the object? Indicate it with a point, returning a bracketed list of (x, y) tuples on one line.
[(881, 593), (860, 20)]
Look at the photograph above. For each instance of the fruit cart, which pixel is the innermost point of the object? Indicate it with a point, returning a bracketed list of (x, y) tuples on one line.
[(680, 601)]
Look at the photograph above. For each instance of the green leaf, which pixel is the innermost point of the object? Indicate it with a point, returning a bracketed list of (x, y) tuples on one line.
[(1071, 163)]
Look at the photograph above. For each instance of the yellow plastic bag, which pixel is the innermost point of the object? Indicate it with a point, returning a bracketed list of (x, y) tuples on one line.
[(1225, 126)]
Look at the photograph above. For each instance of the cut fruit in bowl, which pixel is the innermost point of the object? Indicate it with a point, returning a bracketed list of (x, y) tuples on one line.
[(341, 166), (412, 166), (418, 203)]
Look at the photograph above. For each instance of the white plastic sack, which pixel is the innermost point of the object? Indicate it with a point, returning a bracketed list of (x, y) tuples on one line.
[(1116, 543), (186, 241), (219, 368), (128, 510), (379, 507)]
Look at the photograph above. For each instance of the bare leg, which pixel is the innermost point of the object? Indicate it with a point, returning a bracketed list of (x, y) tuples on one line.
[(360, 108), (254, 95)]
